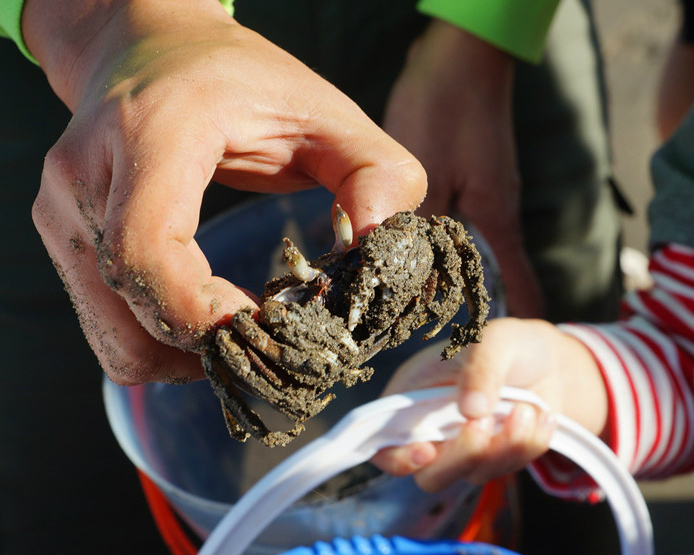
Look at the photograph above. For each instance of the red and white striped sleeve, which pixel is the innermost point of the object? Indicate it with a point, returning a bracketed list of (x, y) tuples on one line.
[(647, 361)]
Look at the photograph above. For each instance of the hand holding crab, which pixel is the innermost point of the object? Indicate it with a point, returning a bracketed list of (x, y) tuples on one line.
[(323, 321)]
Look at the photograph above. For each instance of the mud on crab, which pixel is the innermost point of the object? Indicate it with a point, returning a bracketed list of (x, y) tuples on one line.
[(320, 323)]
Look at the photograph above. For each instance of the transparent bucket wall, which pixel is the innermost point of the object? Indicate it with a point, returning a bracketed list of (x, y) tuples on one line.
[(177, 436)]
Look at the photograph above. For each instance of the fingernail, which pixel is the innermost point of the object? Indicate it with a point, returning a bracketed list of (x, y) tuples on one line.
[(525, 416), (422, 455), (474, 404), (548, 422), (485, 424)]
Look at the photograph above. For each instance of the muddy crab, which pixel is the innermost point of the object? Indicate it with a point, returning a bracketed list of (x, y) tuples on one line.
[(320, 323)]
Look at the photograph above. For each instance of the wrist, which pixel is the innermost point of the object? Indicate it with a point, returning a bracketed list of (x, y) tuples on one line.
[(584, 393), (58, 35), (72, 40), (519, 28), (487, 71)]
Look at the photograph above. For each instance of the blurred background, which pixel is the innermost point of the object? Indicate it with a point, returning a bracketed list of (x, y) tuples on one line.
[(636, 36)]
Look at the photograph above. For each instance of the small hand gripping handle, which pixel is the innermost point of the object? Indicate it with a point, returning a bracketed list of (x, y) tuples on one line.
[(425, 415)]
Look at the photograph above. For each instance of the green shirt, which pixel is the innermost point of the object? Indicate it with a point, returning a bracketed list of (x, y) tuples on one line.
[(10, 23), (518, 27), (515, 26)]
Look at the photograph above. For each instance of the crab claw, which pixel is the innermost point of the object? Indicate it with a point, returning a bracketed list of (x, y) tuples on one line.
[(298, 265), (342, 226)]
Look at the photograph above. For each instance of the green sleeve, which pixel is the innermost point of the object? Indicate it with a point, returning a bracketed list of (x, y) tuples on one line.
[(11, 19), (228, 6), (518, 27), (10, 24)]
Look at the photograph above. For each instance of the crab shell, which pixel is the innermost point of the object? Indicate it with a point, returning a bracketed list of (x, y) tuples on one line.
[(308, 335)]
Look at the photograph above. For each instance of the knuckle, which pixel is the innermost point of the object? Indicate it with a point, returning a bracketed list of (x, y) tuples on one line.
[(41, 211), (56, 170), (123, 266), (431, 483), (480, 477), (123, 380), (393, 461), (414, 178), (409, 175), (122, 259), (63, 167), (70, 191), (58, 163), (111, 261)]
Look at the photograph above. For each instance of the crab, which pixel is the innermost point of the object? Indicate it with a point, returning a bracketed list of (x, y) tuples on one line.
[(321, 322)]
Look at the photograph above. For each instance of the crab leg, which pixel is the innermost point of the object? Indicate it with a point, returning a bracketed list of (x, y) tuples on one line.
[(449, 282), (262, 342), (264, 384), (474, 292), (242, 421)]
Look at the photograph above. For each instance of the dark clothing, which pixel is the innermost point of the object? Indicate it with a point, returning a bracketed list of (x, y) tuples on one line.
[(687, 21), (570, 215), (65, 485)]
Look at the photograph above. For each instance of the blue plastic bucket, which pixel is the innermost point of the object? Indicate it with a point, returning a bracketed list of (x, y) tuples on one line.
[(379, 545)]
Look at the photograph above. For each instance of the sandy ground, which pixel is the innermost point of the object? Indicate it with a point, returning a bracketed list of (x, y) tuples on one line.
[(636, 35)]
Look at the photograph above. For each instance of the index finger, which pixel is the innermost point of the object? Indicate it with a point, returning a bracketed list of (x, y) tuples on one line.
[(148, 253)]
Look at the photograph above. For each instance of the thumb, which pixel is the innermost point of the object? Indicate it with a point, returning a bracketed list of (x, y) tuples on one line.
[(371, 175), (378, 190), (484, 370)]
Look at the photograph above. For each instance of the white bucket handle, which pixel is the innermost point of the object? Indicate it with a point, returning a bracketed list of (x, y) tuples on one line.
[(425, 415)]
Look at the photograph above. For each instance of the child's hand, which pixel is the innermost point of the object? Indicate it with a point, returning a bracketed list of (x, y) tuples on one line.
[(531, 354)]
